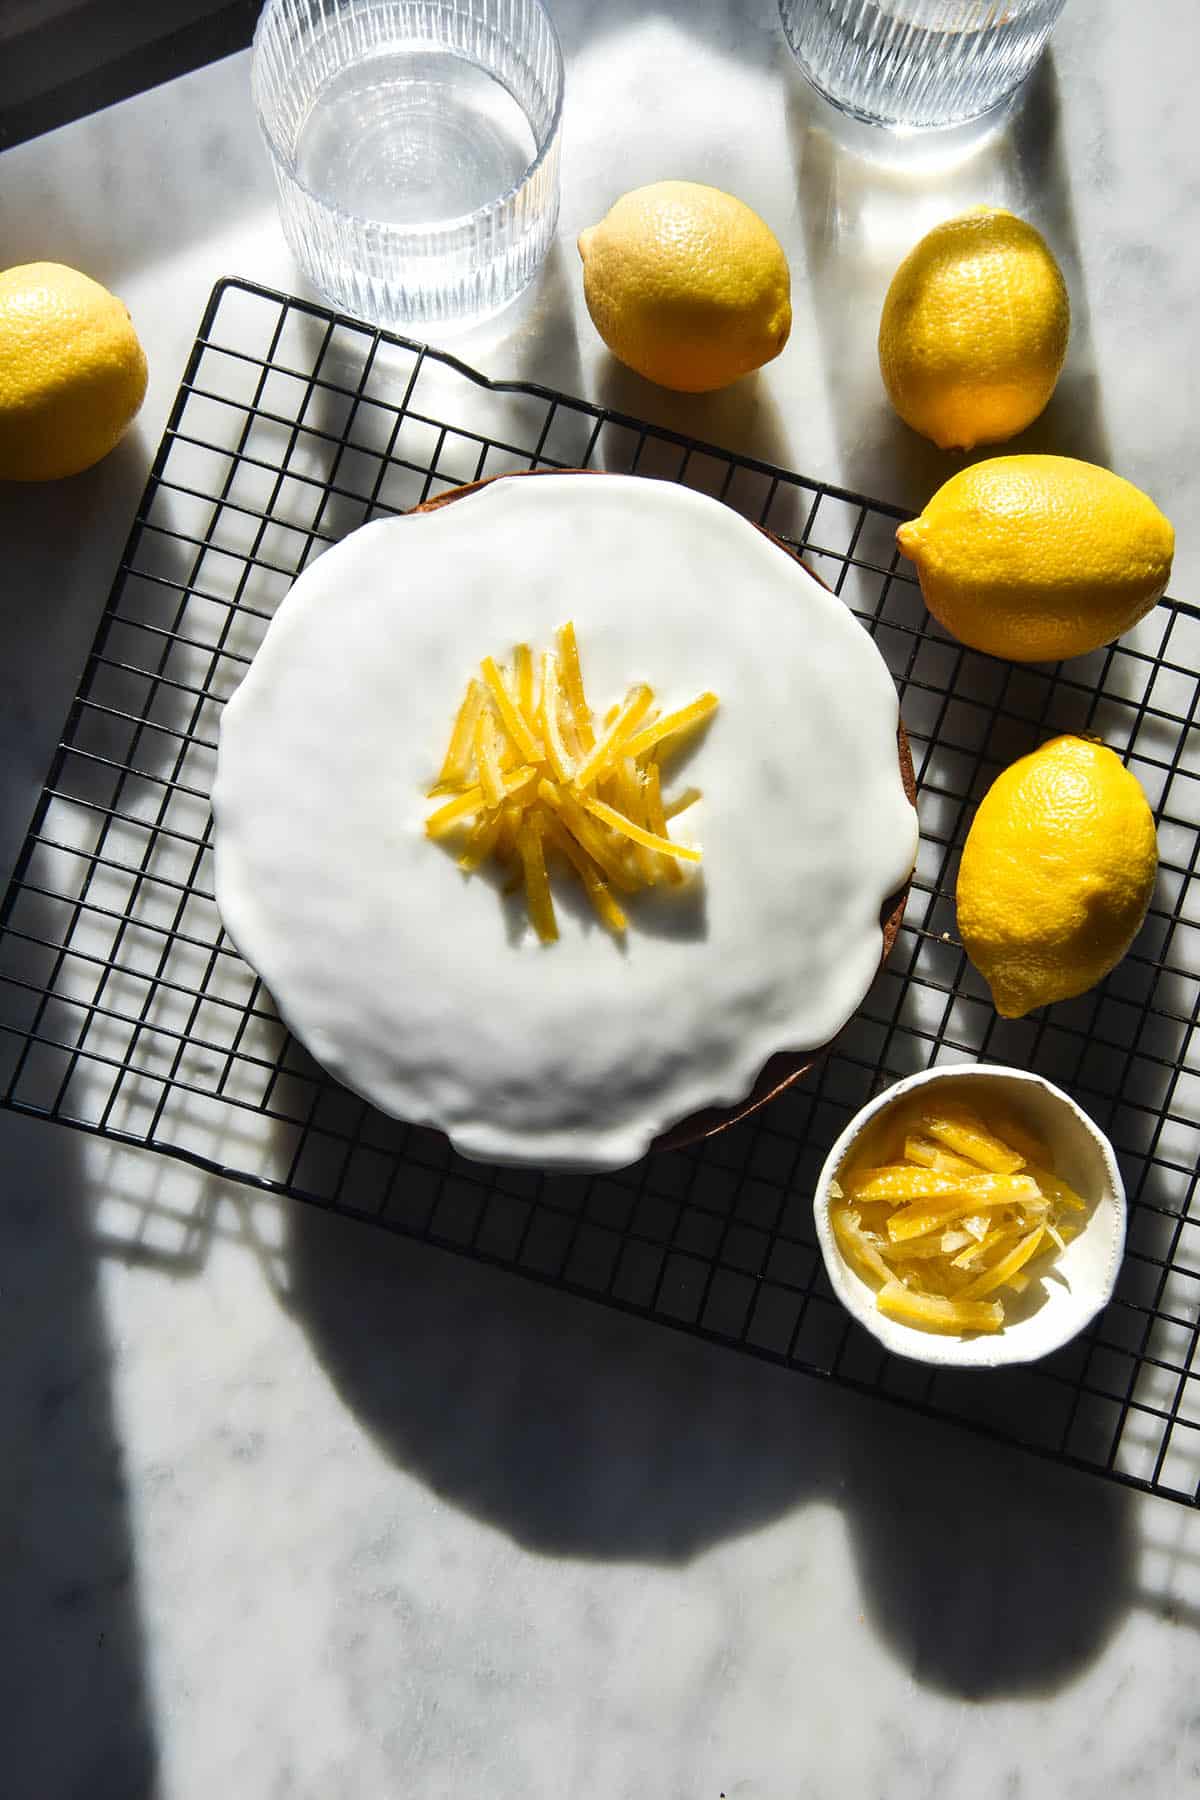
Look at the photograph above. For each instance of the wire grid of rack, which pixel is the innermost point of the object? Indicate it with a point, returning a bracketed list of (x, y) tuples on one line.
[(126, 1012)]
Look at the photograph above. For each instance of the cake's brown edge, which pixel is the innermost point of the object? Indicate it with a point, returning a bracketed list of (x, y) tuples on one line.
[(780, 1071)]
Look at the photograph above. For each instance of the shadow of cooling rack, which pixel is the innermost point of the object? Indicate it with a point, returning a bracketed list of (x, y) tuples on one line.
[(126, 1012)]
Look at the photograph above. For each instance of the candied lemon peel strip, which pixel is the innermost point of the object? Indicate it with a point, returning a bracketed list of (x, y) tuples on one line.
[(456, 769), (487, 757), (681, 802), (928, 1155), (683, 720), (938, 1312), (944, 1210), (537, 883), (532, 782), (519, 728), (966, 1135), (608, 815), (572, 677), (630, 713), (857, 1244)]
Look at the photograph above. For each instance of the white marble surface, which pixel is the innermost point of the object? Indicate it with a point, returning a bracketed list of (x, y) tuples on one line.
[(292, 1509)]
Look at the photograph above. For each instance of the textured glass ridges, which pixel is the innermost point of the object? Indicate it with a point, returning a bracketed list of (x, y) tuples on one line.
[(464, 268), (917, 62), (125, 1012)]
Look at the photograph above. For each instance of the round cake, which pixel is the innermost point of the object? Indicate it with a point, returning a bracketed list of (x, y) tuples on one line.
[(427, 990)]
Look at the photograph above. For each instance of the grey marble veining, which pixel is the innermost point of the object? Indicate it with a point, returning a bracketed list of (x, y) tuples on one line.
[(298, 1511)]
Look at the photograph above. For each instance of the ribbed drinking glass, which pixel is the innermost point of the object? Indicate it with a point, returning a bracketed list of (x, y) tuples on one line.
[(415, 147), (917, 62)]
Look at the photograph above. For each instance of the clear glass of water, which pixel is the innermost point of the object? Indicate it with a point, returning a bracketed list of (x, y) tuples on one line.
[(917, 63), (415, 148)]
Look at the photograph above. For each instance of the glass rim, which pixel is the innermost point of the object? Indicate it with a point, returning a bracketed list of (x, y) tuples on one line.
[(441, 228)]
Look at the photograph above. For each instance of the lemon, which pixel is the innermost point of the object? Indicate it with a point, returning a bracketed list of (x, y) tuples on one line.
[(974, 330), (1039, 557), (1056, 874), (72, 372), (687, 286)]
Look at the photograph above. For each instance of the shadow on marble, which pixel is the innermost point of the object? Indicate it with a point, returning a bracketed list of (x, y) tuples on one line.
[(536, 338), (73, 1696), (381, 438), (861, 217), (581, 1433), (112, 215), (74, 1701), (72, 1645), (53, 532), (744, 419)]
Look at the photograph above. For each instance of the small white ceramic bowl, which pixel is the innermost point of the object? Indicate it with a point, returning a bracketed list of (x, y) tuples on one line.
[(1053, 1310)]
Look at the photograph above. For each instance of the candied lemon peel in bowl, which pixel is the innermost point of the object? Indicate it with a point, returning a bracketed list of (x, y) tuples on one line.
[(972, 1217)]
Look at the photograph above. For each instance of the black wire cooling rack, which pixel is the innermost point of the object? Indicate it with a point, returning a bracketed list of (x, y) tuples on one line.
[(126, 1012)]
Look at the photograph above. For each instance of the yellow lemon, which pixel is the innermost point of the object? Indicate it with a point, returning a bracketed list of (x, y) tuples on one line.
[(974, 330), (1039, 557), (687, 286), (72, 372), (1056, 874)]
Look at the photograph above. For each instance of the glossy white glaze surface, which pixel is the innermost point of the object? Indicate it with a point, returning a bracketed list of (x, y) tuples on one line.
[(427, 991)]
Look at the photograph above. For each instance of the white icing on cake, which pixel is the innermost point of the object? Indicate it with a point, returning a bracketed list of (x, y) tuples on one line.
[(427, 991)]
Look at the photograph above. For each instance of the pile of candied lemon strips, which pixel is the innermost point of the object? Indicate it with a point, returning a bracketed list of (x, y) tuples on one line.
[(532, 776), (943, 1213)]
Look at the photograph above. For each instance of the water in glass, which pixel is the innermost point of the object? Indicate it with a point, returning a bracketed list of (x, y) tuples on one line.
[(415, 149), (413, 135)]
